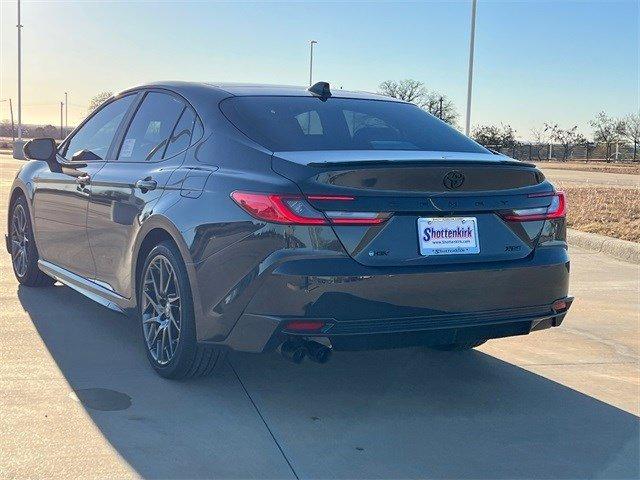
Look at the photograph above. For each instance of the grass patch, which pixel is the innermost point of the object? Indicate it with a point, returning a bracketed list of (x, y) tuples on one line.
[(611, 211)]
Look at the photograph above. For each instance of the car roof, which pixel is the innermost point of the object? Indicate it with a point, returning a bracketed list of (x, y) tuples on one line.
[(223, 90)]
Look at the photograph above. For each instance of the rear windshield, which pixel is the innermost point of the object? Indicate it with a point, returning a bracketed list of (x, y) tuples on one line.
[(309, 123)]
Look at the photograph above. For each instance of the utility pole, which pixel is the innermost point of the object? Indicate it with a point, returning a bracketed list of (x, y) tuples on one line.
[(66, 111), (17, 148), (61, 124), (440, 107), (470, 79), (311, 44)]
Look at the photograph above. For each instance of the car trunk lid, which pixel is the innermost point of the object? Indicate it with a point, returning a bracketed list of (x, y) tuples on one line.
[(421, 185)]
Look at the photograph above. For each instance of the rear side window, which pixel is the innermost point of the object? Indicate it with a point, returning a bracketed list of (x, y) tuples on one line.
[(148, 134), (198, 131), (309, 123), (181, 136), (97, 133)]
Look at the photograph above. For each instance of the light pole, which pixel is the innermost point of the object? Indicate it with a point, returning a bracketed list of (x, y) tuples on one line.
[(311, 44), (470, 79), (66, 111), (17, 146)]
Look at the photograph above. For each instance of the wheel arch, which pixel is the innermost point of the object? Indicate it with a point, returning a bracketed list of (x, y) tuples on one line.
[(16, 192), (23, 185), (153, 238), (154, 230)]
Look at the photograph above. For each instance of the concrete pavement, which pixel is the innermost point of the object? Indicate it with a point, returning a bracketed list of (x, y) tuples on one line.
[(77, 398)]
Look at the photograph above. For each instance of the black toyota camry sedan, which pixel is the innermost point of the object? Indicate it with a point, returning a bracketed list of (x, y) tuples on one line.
[(258, 218)]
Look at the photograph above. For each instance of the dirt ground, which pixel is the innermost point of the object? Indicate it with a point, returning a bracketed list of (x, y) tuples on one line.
[(605, 210), (593, 166)]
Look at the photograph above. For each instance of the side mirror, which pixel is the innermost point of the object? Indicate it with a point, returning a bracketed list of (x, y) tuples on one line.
[(43, 149)]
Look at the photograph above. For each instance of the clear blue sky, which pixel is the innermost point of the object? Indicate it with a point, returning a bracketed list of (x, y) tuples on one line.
[(536, 61)]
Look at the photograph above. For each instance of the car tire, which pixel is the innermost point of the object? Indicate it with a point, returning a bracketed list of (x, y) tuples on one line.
[(165, 310), (24, 253), (458, 347)]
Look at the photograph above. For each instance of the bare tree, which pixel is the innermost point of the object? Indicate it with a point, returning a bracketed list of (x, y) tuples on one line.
[(440, 106), (416, 92), (568, 138), (49, 131), (98, 100), (632, 131), (408, 90), (539, 135), (607, 130), (6, 129), (495, 136)]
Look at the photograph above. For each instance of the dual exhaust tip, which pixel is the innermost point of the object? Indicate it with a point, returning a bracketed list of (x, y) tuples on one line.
[(296, 350)]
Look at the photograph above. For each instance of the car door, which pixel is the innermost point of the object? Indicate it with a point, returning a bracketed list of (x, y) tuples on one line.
[(61, 195), (125, 189)]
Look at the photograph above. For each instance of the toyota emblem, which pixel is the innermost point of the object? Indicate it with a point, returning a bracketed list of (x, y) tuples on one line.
[(453, 179)]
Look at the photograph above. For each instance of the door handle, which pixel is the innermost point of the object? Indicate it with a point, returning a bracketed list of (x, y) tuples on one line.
[(146, 184), (83, 179)]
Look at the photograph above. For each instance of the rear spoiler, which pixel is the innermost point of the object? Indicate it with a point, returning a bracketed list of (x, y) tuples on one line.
[(369, 163)]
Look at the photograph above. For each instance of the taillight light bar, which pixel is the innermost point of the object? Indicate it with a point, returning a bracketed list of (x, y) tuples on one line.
[(331, 198), (557, 209), (295, 210)]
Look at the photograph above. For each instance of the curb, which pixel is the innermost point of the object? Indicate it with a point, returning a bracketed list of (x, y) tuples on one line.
[(620, 249)]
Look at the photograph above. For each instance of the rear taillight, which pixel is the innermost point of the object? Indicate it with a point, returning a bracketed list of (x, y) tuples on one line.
[(557, 209), (295, 210), (287, 209)]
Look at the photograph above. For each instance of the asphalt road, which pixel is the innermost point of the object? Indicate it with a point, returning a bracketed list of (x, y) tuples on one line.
[(77, 398)]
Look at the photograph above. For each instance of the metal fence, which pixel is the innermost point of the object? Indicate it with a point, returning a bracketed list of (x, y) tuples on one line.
[(539, 152), (531, 152)]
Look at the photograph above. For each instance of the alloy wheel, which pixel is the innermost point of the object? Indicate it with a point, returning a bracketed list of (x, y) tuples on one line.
[(19, 241), (161, 309)]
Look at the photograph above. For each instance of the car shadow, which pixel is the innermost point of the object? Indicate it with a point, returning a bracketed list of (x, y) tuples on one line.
[(410, 413)]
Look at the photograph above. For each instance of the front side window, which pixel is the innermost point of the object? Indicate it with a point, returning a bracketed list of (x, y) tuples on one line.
[(97, 133), (310, 123), (148, 134)]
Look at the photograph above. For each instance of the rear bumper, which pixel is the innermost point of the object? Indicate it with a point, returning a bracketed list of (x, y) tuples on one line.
[(366, 308), (255, 333)]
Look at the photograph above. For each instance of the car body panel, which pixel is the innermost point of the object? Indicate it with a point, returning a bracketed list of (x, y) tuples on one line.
[(116, 210), (249, 278), (59, 211)]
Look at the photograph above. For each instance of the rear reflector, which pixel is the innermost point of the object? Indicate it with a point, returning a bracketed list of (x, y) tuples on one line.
[(356, 218), (304, 326), (295, 210), (557, 209), (559, 306), (562, 304)]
